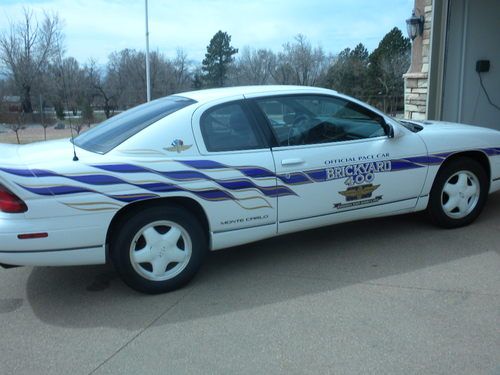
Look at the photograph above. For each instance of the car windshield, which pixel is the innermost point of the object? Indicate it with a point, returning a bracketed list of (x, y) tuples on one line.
[(117, 129)]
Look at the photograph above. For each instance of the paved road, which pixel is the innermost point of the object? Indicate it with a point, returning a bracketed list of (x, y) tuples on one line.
[(387, 296)]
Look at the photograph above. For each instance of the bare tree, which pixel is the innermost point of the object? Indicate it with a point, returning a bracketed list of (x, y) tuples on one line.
[(67, 83), (283, 72), (26, 49), (78, 125), (125, 77), (392, 79), (3, 93), (254, 67), (46, 121), (17, 125), (300, 63), (98, 88), (181, 71)]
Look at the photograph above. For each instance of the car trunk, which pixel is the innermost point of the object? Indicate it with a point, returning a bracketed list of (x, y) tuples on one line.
[(46, 152), (9, 155), (19, 163)]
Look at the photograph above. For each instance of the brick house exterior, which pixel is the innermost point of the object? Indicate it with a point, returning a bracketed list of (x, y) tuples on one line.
[(443, 82)]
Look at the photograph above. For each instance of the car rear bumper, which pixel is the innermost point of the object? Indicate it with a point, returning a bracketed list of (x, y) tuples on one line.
[(54, 257), (56, 241)]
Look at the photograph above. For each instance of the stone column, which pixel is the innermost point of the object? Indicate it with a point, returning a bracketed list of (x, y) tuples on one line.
[(416, 79)]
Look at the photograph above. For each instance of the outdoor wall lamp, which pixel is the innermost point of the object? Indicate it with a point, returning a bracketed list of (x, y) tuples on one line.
[(415, 26)]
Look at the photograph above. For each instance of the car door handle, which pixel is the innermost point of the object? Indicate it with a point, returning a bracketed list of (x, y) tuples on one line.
[(292, 161)]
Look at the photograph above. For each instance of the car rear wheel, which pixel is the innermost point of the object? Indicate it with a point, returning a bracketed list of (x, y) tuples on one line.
[(159, 250), (458, 194)]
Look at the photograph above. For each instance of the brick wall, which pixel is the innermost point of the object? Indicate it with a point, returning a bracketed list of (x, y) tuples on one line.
[(416, 80)]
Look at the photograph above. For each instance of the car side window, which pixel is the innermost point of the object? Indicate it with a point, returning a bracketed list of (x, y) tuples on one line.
[(227, 127), (304, 120)]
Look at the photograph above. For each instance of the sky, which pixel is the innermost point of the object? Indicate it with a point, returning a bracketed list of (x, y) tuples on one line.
[(95, 28)]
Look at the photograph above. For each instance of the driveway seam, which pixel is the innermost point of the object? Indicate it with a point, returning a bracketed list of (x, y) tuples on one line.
[(302, 277), (140, 333), (392, 285), (431, 289)]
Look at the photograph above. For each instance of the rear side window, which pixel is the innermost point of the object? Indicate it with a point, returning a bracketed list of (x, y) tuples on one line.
[(227, 127), (117, 129)]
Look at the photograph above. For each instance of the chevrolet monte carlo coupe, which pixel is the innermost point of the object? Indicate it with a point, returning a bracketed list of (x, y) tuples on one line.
[(154, 188)]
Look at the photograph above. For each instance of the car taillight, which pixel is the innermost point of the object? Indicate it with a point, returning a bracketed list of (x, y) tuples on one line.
[(11, 203)]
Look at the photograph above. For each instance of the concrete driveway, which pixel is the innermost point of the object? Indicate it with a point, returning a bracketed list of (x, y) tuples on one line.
[(386, 296)]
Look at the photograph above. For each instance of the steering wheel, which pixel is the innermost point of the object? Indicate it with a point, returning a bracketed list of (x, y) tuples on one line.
[(298, 130)]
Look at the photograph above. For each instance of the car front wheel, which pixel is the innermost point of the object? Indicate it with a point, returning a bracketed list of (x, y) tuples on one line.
[(458, 194), (159, 249)]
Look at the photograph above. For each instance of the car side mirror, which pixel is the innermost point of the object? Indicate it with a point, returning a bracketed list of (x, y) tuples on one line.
[(393, 131), (390, 131)]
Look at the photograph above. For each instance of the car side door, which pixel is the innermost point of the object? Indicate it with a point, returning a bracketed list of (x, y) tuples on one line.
[(238, 163), (340, 161)]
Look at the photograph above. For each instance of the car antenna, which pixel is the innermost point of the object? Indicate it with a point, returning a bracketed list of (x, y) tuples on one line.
[(75, 158)]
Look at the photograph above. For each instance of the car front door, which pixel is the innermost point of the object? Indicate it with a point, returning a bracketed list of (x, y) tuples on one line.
[(339, 161), (238, 164)]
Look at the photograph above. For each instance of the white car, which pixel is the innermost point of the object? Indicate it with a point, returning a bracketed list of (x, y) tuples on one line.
[(153, 189)]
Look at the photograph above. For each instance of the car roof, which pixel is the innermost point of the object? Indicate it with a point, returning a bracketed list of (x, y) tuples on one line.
[(203, 96)]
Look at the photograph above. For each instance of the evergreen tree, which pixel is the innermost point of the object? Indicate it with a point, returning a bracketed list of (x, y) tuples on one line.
[(388, 62), (348, 73), (218, 58)]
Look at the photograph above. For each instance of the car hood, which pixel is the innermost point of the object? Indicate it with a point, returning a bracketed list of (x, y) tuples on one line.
[(445, 126), (441, 136)]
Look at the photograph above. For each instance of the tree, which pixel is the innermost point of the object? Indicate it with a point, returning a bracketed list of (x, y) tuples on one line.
[(68, 79), (87, 114), (26, 49), (125, 78), (45, 121), (349, 72), (218, 58), (18, 125), (283, 73), (197, 79), (255, 67), (86, 119), (59, 109), (307, 62), (100, 88), (388, 62), (181, 71)]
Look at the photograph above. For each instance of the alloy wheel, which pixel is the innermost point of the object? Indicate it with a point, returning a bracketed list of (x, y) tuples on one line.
[(460, 194), (160, 250)]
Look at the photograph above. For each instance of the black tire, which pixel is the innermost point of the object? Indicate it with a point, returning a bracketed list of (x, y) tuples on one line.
[(473, 174), (158, 222)]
